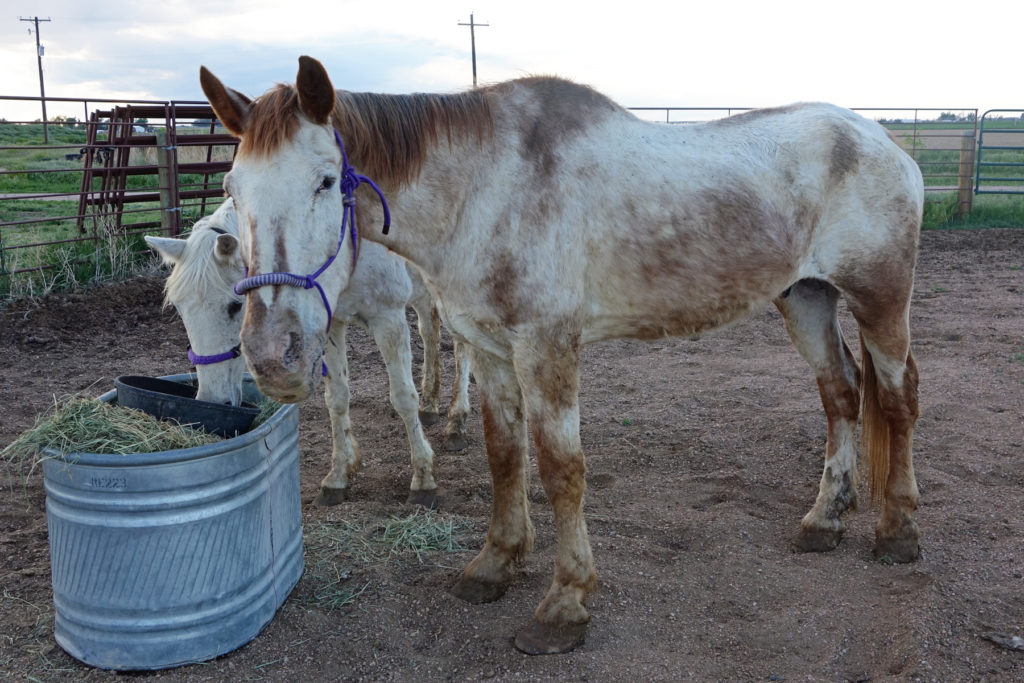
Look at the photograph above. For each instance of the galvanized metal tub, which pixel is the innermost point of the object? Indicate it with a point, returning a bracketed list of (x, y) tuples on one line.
[(163, 559)]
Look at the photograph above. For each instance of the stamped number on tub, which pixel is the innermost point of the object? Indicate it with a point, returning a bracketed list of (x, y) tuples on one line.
[(108, 482)]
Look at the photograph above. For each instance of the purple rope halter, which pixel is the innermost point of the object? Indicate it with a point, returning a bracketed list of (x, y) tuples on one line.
[(350, 180), (348, 183), (230, 354)]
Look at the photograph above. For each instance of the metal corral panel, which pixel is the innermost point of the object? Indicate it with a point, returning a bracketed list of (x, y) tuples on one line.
[(163, 559)]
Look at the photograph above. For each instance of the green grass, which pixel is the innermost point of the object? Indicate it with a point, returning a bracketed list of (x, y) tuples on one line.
[(32, 134), (988, 211)]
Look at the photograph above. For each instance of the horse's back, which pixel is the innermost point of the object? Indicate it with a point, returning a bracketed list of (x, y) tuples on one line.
[(689, 227)]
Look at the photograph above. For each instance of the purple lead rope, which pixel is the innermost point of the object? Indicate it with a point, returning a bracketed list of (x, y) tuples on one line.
[(350, 180)]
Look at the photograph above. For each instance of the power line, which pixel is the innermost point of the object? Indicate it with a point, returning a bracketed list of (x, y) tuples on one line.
[(42, 90), (472, 38)]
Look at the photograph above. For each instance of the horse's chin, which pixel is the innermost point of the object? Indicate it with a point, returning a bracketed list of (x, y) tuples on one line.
[(288, 389)]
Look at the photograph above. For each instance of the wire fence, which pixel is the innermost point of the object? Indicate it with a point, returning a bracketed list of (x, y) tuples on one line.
[(76, 207)]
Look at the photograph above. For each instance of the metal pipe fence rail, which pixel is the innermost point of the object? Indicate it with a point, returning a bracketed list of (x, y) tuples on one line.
[(1000, 163), (77, 207), (115, 170)]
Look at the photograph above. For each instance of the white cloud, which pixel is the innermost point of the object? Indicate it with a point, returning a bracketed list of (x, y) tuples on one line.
[(741, 53)]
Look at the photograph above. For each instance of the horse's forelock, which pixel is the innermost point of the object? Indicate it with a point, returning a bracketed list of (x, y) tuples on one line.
[(196, 275), (273, 119)]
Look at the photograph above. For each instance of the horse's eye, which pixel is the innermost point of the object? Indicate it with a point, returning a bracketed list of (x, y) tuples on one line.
[(233, 308), (328, 183)]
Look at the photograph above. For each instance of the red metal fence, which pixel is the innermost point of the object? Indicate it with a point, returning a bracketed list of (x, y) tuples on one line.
[(123, 170)]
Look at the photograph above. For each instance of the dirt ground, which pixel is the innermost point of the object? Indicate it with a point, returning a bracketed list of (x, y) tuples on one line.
[(702, 457)]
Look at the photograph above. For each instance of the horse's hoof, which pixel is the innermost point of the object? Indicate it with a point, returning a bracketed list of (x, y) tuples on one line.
[(477, 592), (548, 639), (427, 419), (455, 442), (328, 497), (897, 550), (428, 498), (816, 540)]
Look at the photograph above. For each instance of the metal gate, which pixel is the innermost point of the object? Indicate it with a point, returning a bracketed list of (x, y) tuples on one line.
[(1000, 157)]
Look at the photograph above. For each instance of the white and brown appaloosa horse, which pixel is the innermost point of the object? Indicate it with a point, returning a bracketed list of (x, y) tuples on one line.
[(548, 217), (206, 267)]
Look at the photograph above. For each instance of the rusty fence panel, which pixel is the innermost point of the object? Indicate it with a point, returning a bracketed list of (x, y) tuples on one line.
[(76, 208)]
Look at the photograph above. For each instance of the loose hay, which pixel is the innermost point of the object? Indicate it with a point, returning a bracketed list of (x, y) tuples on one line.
[(76, 424), (268, 407), (339, 551)]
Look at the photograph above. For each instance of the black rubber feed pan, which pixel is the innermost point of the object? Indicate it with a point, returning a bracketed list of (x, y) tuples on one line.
[(169, 400)]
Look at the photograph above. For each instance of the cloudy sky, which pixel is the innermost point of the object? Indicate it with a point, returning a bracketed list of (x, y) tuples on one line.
[(739, 53)]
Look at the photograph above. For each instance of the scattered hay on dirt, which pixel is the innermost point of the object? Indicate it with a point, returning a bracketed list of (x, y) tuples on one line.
[(337, 551)]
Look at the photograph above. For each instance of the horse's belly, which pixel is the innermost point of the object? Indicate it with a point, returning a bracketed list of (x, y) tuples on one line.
[(668, 321)]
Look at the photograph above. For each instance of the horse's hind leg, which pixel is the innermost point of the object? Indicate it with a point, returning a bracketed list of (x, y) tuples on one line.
[(877, 289), (809, 311), (428, 323), (458, 410), (890, 412)]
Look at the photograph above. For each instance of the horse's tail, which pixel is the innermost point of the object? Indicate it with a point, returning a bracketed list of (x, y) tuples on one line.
[(874, 427)]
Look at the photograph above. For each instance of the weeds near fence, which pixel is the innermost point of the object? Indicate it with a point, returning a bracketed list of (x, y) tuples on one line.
[(988, 211)]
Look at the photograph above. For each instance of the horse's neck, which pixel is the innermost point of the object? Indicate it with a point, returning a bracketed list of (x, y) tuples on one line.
[(426, 214)]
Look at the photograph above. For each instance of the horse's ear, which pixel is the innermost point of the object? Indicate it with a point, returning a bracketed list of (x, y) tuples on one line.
[(225, 248), (316, 94), (230, 106), (170, 249)]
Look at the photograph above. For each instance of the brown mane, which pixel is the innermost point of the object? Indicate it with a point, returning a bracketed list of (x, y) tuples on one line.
[(387, 137)]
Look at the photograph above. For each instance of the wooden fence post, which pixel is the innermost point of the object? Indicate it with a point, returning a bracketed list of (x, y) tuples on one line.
[(168, 202), (964, 185)]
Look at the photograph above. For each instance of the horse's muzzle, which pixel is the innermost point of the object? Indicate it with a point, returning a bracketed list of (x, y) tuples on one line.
[(280, 360)]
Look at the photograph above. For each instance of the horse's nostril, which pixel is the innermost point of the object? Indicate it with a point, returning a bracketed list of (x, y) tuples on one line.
[(293, 354)]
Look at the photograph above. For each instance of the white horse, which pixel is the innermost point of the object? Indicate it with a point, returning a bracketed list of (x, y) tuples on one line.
[(548, 217), (205, 268)]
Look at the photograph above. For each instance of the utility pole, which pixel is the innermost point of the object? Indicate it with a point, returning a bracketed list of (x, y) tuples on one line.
[(472, 39), (42, 90)]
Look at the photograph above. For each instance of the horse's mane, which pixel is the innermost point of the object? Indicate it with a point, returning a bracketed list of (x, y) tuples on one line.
[(387, 137), (197, 274)]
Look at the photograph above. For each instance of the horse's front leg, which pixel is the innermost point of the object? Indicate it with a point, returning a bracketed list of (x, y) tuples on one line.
[(334, 488), (391, 332), (548, 371), (511, 534), (458, 410)]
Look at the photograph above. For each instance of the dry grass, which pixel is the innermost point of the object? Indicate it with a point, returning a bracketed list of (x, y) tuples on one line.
[(75, 424), (336, 551)]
